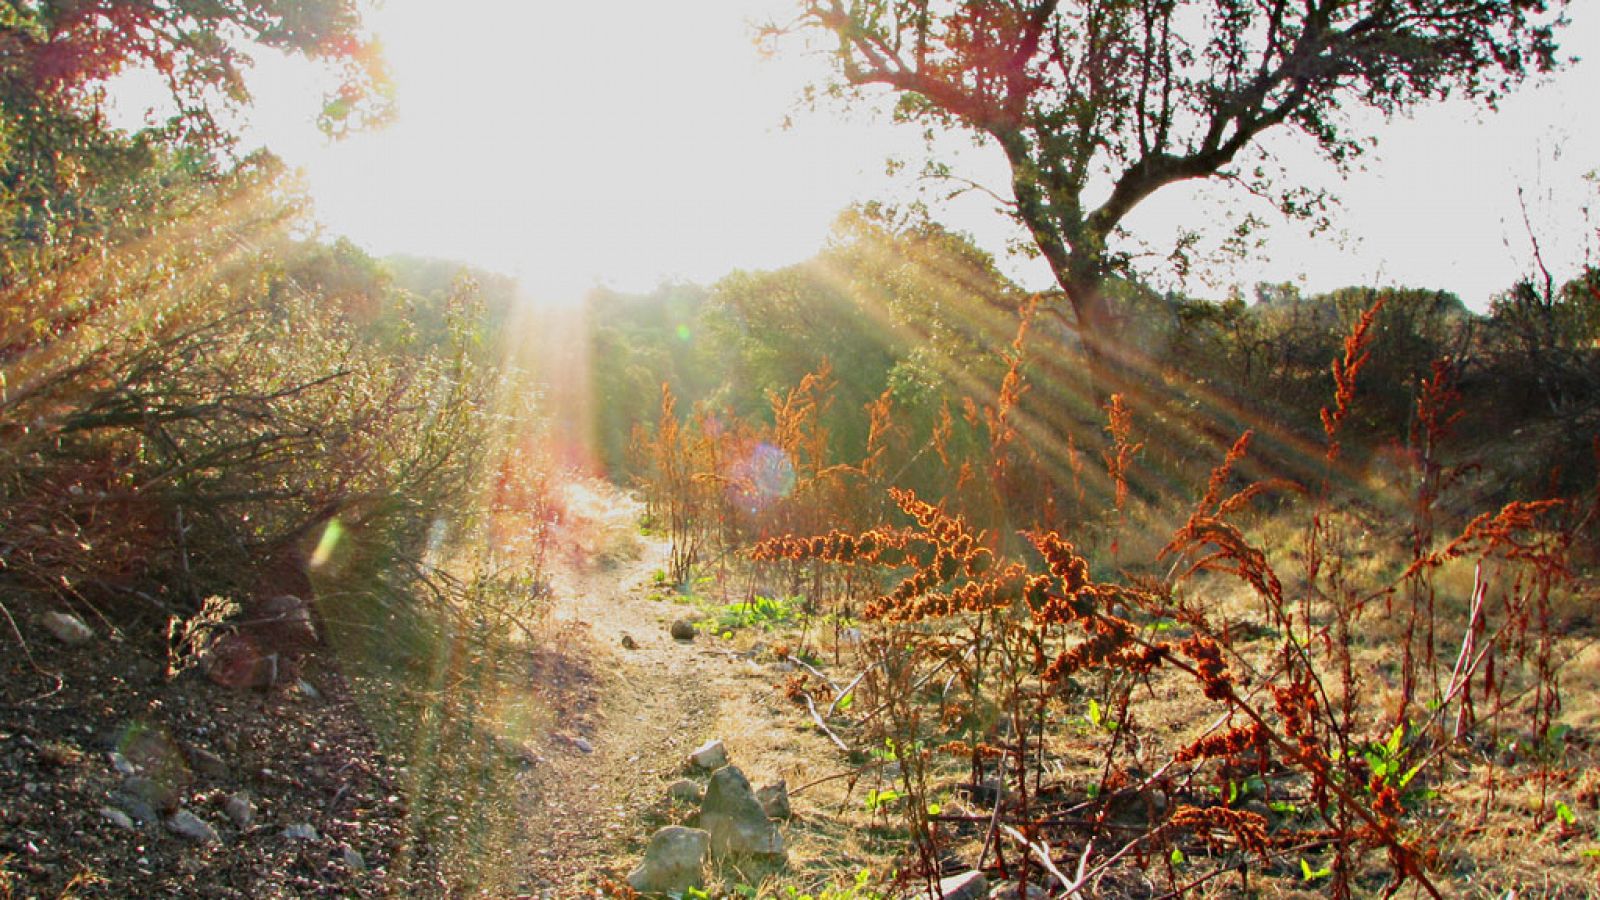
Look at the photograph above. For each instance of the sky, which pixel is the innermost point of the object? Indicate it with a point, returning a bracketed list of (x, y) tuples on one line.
[(636, 142)]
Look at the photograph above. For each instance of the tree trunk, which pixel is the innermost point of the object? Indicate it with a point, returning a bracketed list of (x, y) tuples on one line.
[(1100, 334)]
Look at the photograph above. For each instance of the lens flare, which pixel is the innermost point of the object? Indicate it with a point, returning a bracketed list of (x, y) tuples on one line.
[(766, 475), (331, 535)]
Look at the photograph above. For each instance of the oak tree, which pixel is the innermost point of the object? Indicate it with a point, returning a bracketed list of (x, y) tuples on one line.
[(1097, 104)]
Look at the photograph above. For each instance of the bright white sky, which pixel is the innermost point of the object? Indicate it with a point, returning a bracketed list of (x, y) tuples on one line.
[(631, 142)]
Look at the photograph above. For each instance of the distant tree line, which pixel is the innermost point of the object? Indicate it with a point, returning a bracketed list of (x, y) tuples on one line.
[(897, 303)]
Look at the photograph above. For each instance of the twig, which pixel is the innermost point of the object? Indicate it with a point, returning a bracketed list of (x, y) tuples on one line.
[(1185, 889), (817, 717), (28, 652), (857, 772), (918, 684), (1041, 853), (839, 696), (813, 670)]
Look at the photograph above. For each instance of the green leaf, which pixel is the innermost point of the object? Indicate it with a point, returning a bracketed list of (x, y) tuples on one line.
[(1393, 746), (877, 799), (1309, 874), (1376, 762), (1177, 856), (1564, 813)]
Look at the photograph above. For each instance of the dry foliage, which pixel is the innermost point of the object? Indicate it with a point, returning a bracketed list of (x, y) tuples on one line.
[(1276, 742)]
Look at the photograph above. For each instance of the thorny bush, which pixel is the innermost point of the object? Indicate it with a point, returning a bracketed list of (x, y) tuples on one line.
[(180, 413)]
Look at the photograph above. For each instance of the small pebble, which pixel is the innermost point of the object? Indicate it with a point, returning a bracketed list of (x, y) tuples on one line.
[(353, 859), (239, 810), (186, 824)]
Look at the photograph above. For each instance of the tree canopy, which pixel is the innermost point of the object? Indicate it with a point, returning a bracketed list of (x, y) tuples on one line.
[(61, 52), (67, 175), (1097, 104)]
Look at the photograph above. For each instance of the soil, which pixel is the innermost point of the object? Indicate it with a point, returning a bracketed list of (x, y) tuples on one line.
[(302, 759)]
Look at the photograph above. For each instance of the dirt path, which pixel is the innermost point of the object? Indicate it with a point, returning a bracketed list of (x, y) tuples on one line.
[(626, 712), (612, 705)]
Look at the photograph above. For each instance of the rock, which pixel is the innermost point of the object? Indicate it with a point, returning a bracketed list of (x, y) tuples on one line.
[(737, 823), (682, 630), (239, 810), (159, 795), (353, 860), (1030, 891), (188, 825), (301, 831), (711, 755), (580, 744), (673, 863), (207, 763), (120, 763), (239, 662), (286, 620), (774, 799), (684, 791), (966, 886), (66, 628), (141, 810), (628, 643), (308, 690), (116, 817)]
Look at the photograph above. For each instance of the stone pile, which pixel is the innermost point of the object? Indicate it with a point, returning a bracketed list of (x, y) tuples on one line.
[(736, 822)]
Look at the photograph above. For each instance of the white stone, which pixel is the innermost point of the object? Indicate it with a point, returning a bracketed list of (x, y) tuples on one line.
[(710, 755), (965, 886), (67, 628)]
